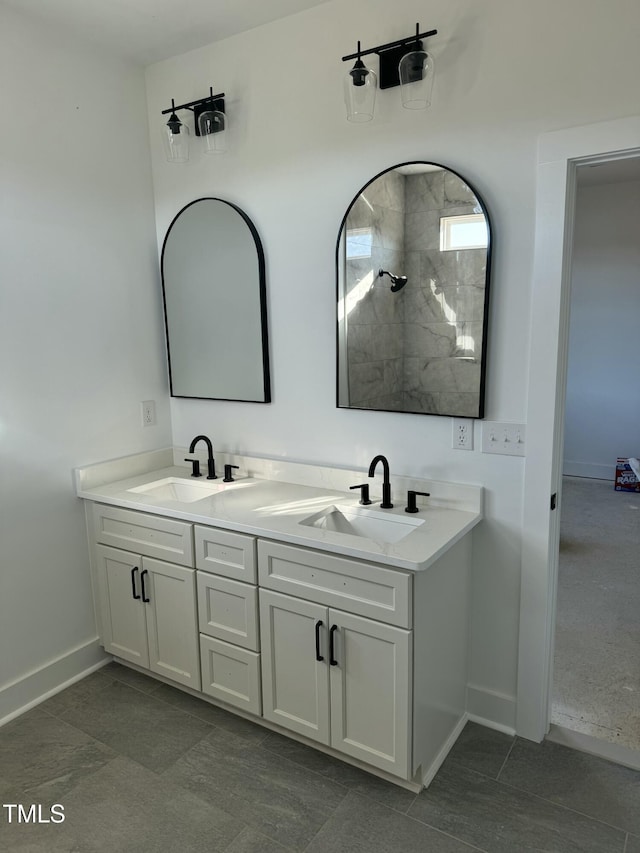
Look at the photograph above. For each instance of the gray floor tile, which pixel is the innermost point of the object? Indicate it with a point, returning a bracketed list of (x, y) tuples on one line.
[(131, 677), (211, 713), (502, 819), (77, 693), (583, 782), (122, 808), (42, 758), (276, 797), (481, 749), (137, 725), (338, 771), (361, 826), (250, 841), (633, 844)]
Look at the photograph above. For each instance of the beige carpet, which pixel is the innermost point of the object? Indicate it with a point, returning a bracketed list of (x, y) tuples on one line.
[(597, 658)]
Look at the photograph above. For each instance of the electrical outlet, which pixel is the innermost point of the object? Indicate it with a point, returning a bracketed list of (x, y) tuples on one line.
[(505, 438), (462, 434), (148, 413)]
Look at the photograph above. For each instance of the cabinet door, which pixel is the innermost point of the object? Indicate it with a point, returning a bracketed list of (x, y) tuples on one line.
[(371, 691), (295, 685), (124, 626), (172, 621)]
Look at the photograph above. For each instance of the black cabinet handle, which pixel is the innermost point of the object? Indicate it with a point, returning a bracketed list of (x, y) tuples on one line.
[(144, 594), (133, 582), (319, 625), (332, 659)]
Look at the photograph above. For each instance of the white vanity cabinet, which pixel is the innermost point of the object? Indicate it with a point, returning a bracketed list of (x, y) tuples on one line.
[(147, 606), (367, 661)]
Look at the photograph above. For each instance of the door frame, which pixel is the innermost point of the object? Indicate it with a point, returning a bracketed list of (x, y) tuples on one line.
[(559, 153)]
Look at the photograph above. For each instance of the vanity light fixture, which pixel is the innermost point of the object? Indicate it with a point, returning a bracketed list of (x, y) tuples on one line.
[(210, 124), (403, 63)]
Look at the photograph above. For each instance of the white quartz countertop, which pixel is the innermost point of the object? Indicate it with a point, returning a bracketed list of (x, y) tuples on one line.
[(274, 509)]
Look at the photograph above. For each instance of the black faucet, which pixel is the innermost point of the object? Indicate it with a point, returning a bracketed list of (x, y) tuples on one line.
[(210, 463), (386, 485)]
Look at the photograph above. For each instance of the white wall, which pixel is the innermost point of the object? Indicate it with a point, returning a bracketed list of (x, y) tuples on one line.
[(506, 72), (603, 403), (81, 340)]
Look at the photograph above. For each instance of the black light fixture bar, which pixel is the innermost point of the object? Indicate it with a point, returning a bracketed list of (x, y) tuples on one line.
[(381, 47), (192, 104), (390, 55)]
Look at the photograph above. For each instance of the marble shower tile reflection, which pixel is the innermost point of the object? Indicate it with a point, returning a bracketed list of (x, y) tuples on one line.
[(370, 382), (457, 192), (378, 306), (422, 230), (386, 191), (429, 340), (459, 404), (388, 229), (425, 191), (375, 342)]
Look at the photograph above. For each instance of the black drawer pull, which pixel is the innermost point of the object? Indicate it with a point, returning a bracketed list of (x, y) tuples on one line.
[(332, 659), (144, 594), (133, 582), (319, 625)]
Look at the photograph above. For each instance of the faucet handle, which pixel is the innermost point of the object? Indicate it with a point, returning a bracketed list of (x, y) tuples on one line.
[(195, 471), (364, 493), (227, 473), (411, 500)]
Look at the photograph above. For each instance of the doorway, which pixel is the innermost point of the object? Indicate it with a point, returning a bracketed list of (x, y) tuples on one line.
[(559, 155), (596, 672)]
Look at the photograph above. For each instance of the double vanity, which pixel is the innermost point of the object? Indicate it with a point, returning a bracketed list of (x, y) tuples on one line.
[(273, 592)]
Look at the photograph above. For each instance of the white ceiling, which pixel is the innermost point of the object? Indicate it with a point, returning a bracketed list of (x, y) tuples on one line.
[(147, 31), (610, 172)]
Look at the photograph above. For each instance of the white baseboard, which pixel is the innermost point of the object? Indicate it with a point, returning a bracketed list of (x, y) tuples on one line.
[(436, 764), (491, 709), (28, 691), (589, 469)]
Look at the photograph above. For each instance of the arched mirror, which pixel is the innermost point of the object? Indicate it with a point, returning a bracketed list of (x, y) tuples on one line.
[(213, 283), (413, 263)]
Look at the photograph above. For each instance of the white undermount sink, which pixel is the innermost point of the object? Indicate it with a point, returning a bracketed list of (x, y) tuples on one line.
[(177, 489), (367, 523)]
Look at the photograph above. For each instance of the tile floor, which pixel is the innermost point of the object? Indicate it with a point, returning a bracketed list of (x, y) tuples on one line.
[(140, 766)]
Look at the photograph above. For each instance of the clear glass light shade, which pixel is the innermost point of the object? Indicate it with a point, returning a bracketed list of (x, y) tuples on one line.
[(360, 86), (212, 125), (416, 71), (175, 138)]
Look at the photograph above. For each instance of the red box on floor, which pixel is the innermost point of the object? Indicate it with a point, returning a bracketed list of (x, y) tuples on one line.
[(626, 480)]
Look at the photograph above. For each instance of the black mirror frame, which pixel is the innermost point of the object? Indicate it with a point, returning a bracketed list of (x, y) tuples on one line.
[(485, 316), (263, 303)]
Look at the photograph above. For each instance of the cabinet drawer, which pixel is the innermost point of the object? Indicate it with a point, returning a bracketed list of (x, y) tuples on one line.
[(228, 610), (230, 554), (151, 535), (230, 674), (361, 588)]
